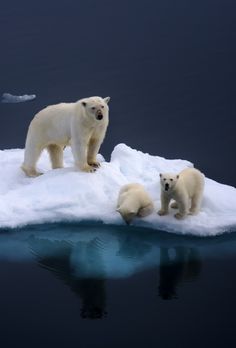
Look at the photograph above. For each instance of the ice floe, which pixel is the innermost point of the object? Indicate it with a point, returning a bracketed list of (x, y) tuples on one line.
[(67, 195)]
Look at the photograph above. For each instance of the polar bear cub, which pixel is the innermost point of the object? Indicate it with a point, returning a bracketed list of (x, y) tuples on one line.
[(186, 189), (134, 201), (82, 125)]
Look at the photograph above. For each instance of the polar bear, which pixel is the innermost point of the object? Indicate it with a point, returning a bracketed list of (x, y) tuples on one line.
[(186, 189), (134, 201), (82, 125)]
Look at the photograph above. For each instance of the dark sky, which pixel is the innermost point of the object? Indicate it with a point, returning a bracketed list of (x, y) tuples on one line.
[(169, 67)]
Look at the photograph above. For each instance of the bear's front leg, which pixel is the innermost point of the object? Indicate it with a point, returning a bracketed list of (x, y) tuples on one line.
[(183, 208), (93, 148), (165, 200), (79, 151)]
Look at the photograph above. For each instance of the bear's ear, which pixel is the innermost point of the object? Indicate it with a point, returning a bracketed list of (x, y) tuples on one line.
[(107, 99), (84, 104), (160, 175), (177, 176)]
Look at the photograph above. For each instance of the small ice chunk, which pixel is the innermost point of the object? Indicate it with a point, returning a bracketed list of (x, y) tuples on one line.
[(10, 98)]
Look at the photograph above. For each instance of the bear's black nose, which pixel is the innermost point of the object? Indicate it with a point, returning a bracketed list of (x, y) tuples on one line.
[(99, 117), (166, 187)]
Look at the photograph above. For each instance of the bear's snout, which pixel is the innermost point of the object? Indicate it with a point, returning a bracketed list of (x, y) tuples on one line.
[(167, 187), (99, 115)]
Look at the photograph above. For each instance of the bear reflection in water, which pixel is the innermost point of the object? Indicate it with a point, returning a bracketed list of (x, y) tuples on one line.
[(184, 265), (57, 260), (86, 264)]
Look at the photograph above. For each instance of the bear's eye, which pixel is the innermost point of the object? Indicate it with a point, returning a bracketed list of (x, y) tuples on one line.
[(93, 108), (102, 106), (171, 179), (164, 179)]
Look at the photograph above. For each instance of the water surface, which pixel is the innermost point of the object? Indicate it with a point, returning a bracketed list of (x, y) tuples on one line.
[(111, 286)]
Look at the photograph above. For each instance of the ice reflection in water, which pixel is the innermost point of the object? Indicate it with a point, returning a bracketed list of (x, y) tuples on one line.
[(85, 256)]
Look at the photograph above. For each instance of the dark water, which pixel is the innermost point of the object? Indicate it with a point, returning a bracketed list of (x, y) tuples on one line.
[(169, 67), (103, 286)]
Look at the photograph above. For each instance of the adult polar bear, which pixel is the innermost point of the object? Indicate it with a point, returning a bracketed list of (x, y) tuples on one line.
[(82, 125)]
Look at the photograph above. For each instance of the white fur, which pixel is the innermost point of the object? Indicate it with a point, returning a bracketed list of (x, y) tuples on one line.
[(186, 189), (75, 124), (134, 201)]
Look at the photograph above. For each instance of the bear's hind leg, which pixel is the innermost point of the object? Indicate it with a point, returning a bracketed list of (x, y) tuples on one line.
[(31, 172), (145, 211), (174, 205), (195, 204), (56, 155), (31, 157)]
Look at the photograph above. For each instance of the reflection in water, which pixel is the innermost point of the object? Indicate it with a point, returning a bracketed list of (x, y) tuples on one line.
[(92, 293), (55, 256), (84, 265), (184, 266), (85, 256)]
